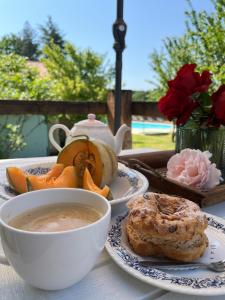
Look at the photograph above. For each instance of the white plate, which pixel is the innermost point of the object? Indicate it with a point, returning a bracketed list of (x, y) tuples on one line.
[(193, 282), (128, 182)]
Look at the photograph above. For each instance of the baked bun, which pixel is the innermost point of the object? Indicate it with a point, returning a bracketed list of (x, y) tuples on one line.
[(162, 225)]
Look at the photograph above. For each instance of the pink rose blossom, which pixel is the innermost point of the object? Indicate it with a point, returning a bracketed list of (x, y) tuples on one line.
[(193, 167)]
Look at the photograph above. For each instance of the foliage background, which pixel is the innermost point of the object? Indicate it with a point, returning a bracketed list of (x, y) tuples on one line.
[(74, 74), (203, 43)]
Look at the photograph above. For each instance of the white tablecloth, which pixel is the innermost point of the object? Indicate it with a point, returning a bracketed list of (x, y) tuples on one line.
[(105, 282)]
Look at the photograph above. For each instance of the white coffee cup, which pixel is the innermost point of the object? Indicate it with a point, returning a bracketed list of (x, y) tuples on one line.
[(53, 260)]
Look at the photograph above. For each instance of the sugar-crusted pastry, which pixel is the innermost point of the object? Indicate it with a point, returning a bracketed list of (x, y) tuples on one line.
[(162, 225)]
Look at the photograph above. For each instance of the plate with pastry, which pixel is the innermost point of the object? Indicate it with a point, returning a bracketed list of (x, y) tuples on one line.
[(123, 185), (167, 241)]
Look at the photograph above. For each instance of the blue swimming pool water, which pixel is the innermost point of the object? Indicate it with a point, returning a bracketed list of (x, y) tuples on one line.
[(144, 125)]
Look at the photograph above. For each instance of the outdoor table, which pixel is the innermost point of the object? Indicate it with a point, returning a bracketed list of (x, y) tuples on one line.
[(106, 281)]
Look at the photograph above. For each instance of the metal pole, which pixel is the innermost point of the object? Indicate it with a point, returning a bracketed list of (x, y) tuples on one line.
[(119, 32)]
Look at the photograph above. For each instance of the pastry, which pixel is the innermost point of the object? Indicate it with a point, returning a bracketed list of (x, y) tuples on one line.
[(162, 225)]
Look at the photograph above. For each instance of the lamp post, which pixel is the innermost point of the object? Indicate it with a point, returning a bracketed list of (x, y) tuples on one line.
[(119, 32)]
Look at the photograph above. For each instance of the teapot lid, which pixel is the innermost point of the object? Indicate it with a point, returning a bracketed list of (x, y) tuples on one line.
[(91, 121)]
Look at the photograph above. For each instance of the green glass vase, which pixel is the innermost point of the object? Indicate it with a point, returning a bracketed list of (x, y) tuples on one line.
[(211, 139)]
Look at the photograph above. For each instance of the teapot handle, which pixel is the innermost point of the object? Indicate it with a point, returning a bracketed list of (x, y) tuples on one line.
[(51, 136)]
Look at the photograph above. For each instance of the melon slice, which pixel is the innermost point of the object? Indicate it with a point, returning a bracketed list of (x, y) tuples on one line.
[(17, 177), (67, 179), (55, 171), (88, 184)]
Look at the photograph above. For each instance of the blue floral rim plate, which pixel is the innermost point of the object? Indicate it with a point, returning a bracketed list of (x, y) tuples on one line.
[(128, 182), (193, 282)]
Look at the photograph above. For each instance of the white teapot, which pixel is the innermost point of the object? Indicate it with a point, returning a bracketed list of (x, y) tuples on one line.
[(95, 130)]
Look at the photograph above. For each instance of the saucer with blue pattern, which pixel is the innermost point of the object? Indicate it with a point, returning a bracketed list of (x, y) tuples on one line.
[(193, 282)]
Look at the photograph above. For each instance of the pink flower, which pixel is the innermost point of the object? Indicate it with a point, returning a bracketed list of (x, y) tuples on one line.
[(193, 167)]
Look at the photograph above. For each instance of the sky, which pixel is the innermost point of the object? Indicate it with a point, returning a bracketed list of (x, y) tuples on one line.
[(88, 24)]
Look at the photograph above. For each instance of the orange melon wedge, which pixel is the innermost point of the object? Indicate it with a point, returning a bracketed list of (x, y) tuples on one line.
[(88, 184), (17, 177), (67, 179)]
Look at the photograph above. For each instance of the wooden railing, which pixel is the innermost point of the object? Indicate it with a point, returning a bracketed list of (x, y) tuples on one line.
[(51, 107)]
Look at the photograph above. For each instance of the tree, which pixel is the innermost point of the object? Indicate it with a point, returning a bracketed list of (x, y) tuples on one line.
[(50, 32), (79, 75), (23, 44), (19, 81), (30, 46), (140, 96), (203, 43), (10, 43)]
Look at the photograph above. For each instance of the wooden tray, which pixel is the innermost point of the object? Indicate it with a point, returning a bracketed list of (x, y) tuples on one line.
[(153, 166)]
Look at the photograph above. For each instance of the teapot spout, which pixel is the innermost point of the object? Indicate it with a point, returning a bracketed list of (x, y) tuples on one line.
[(119, 137)]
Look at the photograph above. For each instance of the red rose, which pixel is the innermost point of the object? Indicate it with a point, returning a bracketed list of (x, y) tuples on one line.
[(218, 108), (176, 104), (190, 82)]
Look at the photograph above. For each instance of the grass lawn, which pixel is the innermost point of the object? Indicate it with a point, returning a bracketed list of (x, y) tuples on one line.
[(160, 141)]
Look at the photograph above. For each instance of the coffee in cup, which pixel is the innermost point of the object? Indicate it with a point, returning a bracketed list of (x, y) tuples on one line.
[(55, 217)]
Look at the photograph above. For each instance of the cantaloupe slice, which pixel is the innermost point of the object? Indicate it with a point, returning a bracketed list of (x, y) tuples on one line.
[(17, 177), (67, 179), (88, 184), (55, 171), (94, 155)]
